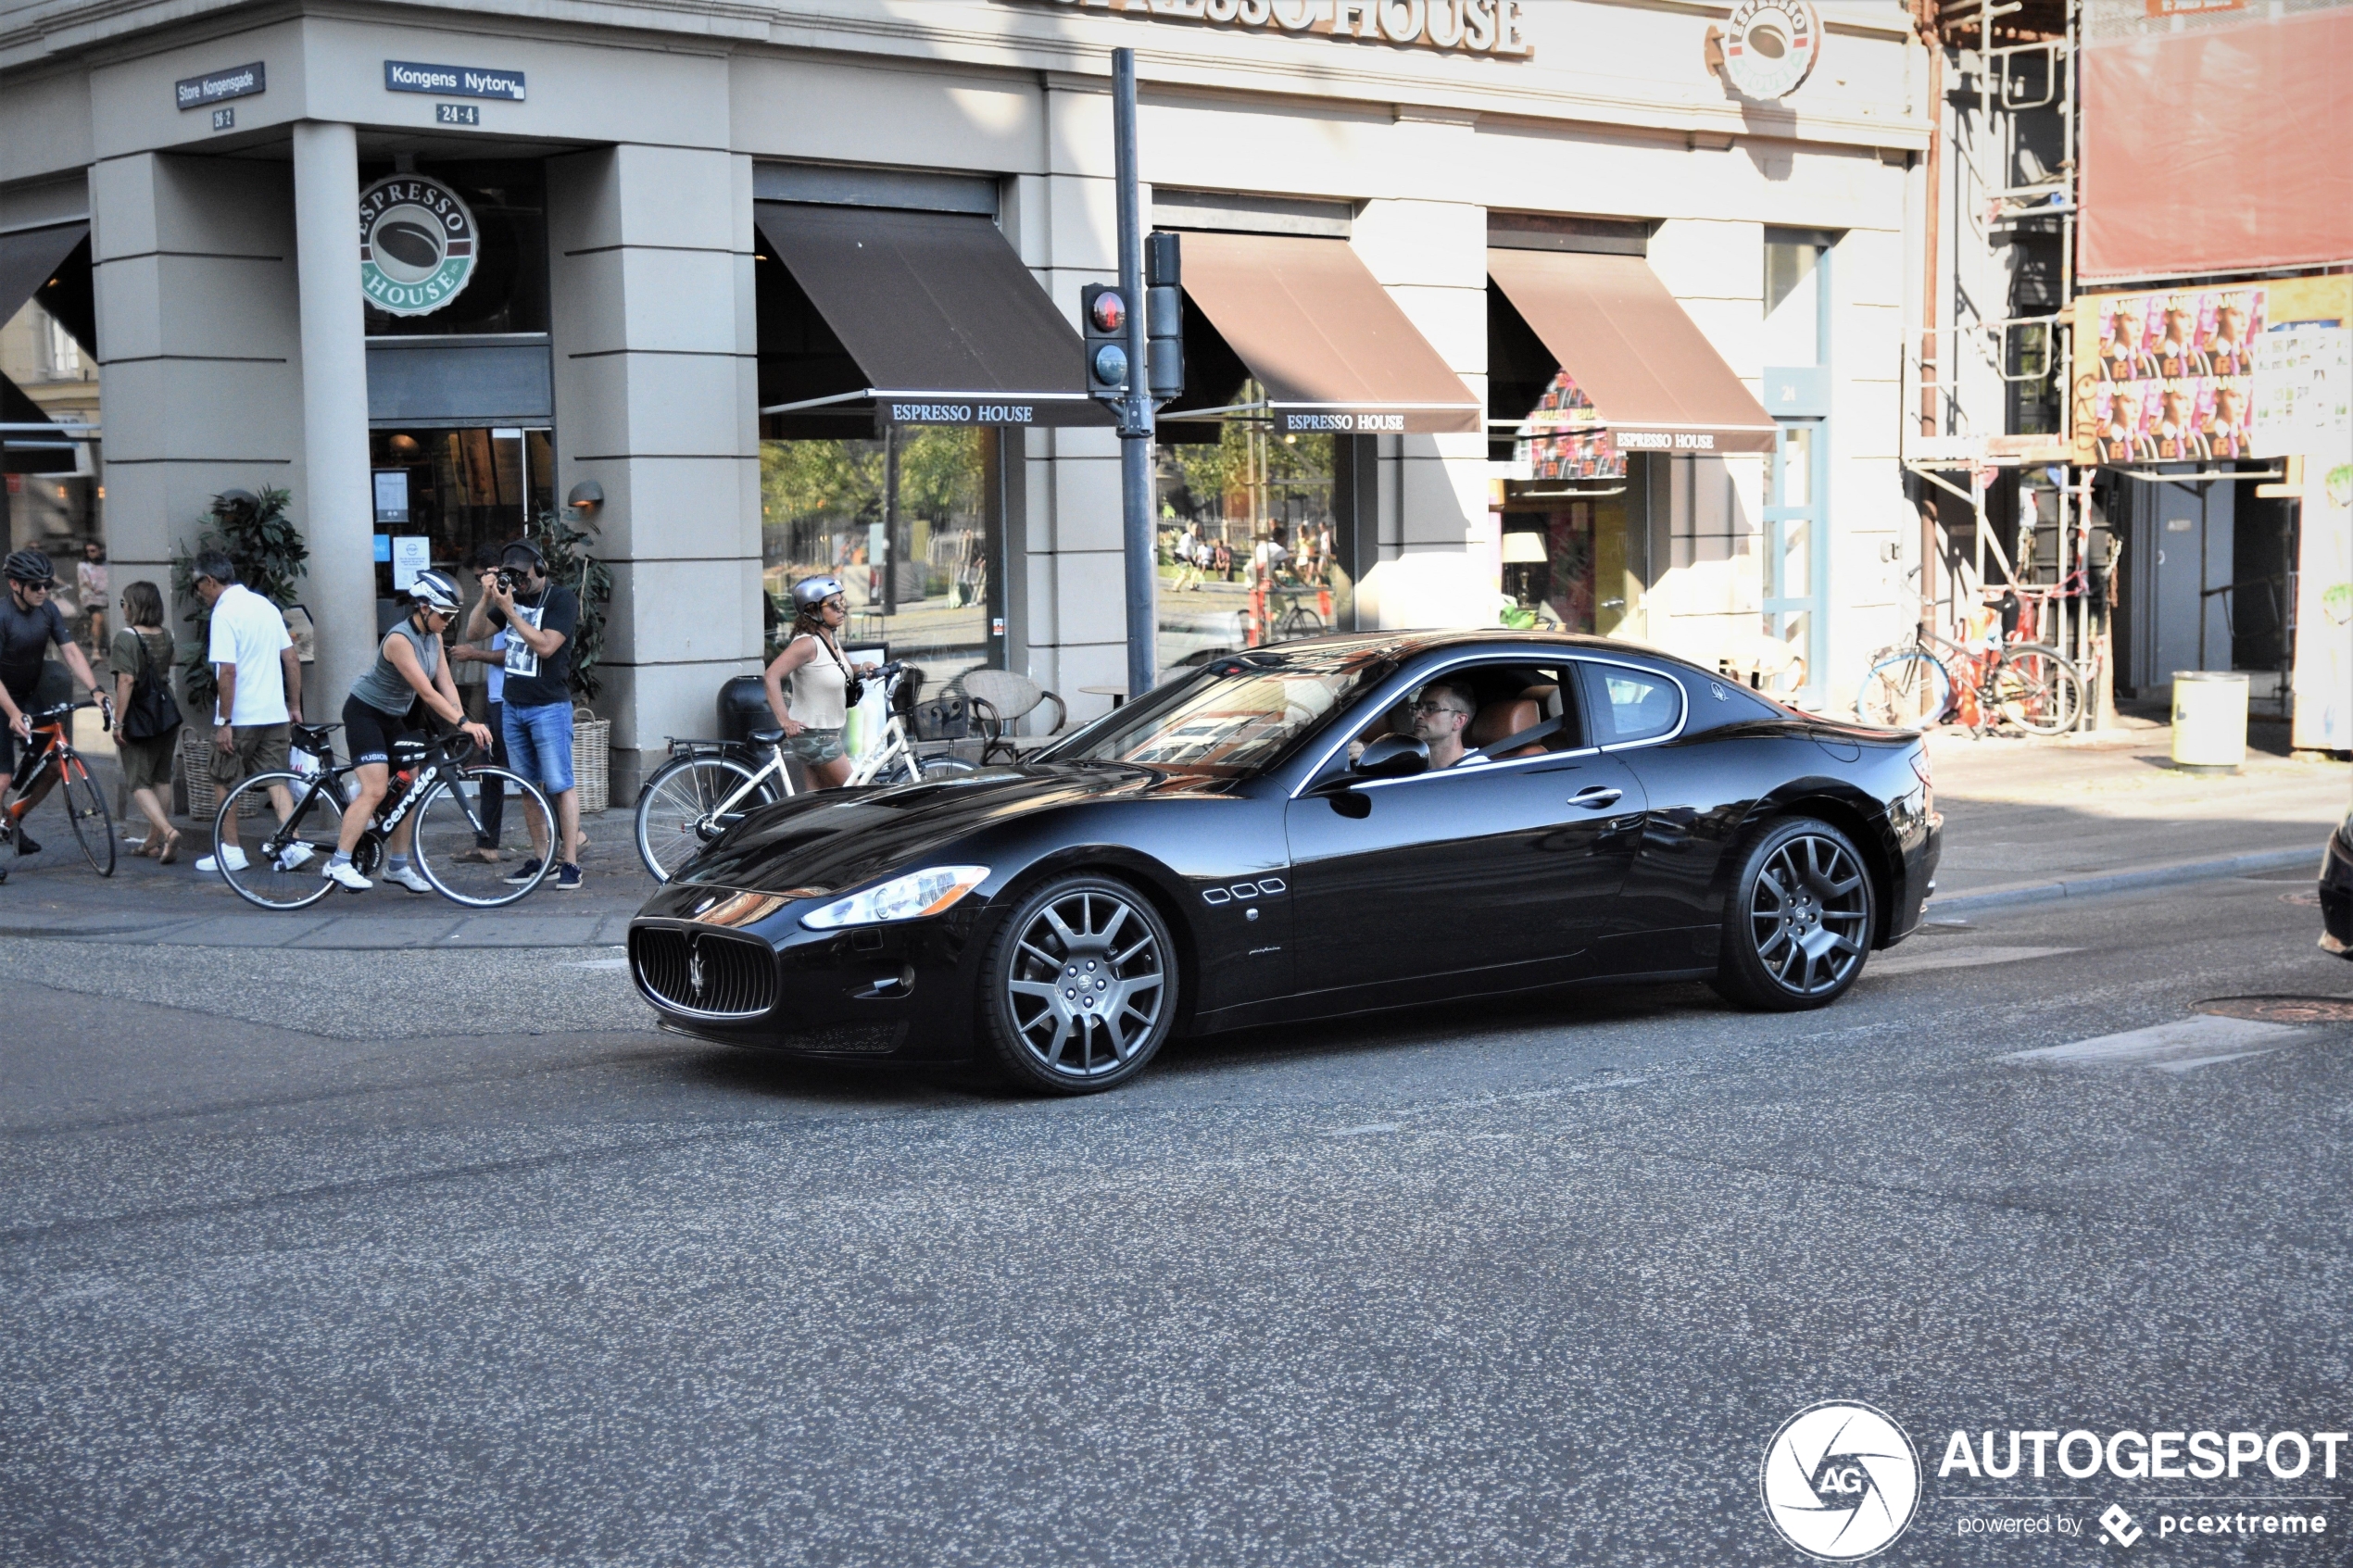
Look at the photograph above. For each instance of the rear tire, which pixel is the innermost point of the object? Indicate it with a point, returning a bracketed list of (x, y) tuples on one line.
[(316, 821), (2039, 690), (678, 800), (1078, 988), (1797, 927)]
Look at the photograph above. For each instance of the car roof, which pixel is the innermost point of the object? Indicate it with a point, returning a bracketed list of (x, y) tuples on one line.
[(1411, 645)]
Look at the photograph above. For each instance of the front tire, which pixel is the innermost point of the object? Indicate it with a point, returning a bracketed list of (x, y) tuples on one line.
[(1079, 986), (1797, 927), (85, 805), (446, 833), (281, 869)]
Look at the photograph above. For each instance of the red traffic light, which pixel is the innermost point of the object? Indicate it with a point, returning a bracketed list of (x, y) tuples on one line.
[(1109, 313)]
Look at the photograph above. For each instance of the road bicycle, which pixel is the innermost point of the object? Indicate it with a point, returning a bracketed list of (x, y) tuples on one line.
[(84, 802), (1294, 620), (708, 786), (432, 781), (1929, 680)]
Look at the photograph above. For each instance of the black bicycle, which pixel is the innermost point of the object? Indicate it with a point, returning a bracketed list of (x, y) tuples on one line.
[(431, 782)]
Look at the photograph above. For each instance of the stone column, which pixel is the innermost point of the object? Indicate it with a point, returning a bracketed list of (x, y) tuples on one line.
[(337, 512)]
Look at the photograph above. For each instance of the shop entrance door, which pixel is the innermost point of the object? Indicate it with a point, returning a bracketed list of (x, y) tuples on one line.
[(440, 495), (1797, 565)]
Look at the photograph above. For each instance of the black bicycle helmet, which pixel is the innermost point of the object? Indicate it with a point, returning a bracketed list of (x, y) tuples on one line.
[(436, 590), (810, 592), (29, 567)]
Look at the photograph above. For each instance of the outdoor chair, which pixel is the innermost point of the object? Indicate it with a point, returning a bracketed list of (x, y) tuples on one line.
[(1001, 700)]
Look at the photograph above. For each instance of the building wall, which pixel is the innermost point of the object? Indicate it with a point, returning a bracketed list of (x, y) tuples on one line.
[(651, 241)]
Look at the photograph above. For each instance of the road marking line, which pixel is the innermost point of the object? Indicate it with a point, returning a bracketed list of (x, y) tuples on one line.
[(597, 963), (1963, 956), (2182, 1045)]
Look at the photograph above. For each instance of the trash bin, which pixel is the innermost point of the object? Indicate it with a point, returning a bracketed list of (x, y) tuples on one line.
[(2209, 720)]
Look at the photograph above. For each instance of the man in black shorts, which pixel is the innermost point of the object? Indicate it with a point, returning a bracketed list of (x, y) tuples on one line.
[(28, 624)]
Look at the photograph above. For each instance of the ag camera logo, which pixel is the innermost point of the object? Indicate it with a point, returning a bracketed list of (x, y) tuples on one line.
[(1841, 1481)]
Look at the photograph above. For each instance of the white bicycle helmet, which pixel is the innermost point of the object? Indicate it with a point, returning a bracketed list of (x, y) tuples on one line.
[(436, 590)]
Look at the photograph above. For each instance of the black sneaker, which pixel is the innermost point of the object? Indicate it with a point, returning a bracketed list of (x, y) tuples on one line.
[(526, 872), (567, 879), (25, 845)]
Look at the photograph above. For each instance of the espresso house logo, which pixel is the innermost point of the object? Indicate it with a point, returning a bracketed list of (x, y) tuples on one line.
[(1770, 46), (418, 244), (1497, 28)]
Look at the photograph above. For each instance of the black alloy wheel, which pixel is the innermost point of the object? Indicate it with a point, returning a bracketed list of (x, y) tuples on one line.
[(1078, 988), (1798, 926)]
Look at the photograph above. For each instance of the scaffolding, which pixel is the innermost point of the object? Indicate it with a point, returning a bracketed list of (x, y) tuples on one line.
[(1992, 385)]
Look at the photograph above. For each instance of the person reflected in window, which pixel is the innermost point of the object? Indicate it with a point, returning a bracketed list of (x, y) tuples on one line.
[(1442, 713)]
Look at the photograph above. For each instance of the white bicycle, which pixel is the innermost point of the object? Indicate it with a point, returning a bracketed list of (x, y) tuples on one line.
[(708, 786)]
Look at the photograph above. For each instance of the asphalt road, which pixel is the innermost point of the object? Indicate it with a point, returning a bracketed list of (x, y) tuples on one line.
[(335, 1258)]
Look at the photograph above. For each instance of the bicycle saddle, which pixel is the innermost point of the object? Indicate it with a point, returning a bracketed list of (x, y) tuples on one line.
[(767, 738)]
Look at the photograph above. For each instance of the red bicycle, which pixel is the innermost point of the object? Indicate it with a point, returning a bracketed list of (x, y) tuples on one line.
[(53, 762)]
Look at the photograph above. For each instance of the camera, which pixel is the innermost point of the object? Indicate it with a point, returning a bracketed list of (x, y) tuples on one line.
[(509, 580)]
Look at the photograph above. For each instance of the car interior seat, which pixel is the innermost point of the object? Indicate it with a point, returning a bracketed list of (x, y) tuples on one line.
[(1508, 716)]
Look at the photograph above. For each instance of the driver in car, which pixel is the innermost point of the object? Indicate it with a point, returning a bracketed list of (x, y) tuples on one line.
[(1442, 713)]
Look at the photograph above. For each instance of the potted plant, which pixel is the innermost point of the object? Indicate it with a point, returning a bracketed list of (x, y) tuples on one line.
[(565, 541), (254, 532)]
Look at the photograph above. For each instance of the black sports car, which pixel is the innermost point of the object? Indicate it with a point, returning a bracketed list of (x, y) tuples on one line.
[(1266, 839)]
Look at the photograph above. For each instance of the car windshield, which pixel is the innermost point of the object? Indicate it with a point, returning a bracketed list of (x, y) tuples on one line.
[(1237, 715)]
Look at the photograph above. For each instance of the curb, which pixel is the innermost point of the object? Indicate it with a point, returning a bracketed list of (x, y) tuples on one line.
[(2125, 882)]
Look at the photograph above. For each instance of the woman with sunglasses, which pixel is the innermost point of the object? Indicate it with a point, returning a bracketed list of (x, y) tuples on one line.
[(814, 718), (410, 678)]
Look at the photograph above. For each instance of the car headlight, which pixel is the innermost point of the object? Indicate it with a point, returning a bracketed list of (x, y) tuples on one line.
[(902, 897)]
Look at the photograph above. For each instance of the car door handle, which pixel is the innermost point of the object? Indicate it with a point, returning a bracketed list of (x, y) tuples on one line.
[(1596, 797)]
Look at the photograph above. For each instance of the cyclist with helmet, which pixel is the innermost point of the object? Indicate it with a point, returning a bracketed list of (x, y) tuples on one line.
[(410, 679), (813, 720), (28, 624)]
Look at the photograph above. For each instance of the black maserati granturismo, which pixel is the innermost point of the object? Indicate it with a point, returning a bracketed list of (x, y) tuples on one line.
[(1289, 833)]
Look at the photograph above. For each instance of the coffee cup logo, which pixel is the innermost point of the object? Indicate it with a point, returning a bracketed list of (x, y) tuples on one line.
[(418, 244)]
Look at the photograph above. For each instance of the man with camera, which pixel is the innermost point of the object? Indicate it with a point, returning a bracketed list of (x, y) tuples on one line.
[(539, 619)]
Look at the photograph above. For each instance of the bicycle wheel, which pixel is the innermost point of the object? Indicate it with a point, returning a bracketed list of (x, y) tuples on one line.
[(2039, 690), (282, 871), (674, 809), (1300, 621), (1904, 693), (85, 805), (447, 845)]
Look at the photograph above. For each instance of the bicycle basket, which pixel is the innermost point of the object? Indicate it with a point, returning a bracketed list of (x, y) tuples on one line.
[(945, 717), (904, 690)]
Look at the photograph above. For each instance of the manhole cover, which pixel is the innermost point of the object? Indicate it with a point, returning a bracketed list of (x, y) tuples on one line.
[(2281, 1009), (2312, 901)]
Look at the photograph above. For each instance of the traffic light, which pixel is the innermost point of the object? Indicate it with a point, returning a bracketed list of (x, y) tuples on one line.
[(1104, 312), (1163, 317)]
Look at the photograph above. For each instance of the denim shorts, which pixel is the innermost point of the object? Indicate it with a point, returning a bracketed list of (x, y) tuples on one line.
[(815, 747), (540, 743)]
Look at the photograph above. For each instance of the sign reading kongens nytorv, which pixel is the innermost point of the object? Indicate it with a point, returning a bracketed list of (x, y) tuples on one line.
[(237, 82), (452, 81), (1471, 27)]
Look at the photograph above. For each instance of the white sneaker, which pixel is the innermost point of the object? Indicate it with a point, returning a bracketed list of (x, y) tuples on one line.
[(296, 854), (407, 877), (343, 874), (234, 856)]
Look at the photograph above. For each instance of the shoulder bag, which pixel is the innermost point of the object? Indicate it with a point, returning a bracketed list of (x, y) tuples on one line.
[(151, 713)]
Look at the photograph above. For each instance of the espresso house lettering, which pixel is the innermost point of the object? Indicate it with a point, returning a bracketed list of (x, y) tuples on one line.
[(1470, 27), (962, 413)]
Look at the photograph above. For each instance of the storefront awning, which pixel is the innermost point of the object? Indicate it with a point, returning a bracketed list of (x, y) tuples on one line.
[(944, 324), (1654, 379), (28, 258), (1320, 334)]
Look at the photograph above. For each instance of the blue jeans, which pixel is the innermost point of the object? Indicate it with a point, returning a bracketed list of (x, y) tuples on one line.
[(539, 745)]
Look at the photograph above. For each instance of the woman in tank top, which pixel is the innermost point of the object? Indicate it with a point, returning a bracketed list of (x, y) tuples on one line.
[(813, 717), (410, 678)]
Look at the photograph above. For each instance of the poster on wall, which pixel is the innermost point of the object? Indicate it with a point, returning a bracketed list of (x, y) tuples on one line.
[(2173, 376), (411, 553)]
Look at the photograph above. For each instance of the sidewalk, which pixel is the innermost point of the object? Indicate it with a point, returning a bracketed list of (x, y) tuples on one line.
[(2027, 820)]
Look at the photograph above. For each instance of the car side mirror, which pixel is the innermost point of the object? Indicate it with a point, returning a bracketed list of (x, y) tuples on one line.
[(1393, 757)]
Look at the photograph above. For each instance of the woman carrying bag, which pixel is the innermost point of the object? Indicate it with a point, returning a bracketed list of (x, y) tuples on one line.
[(146, 721), (819, 709)]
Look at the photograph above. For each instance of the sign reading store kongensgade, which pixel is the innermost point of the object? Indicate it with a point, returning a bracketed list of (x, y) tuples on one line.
[(1469, 27), (452, 81), (237, 82)]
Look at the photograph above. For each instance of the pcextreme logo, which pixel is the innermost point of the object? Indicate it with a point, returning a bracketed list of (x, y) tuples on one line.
[(1841, 1481)]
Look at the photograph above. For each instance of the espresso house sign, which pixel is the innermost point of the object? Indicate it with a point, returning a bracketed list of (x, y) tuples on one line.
[(1469, 27)]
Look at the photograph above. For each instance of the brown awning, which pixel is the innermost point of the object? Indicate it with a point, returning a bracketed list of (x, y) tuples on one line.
[(1321, 336), (945, 324), (1656, 380)]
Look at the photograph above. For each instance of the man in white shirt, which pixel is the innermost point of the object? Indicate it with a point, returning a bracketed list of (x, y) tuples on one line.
[(259, 680)]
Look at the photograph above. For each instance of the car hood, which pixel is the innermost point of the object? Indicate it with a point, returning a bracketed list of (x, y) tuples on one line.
[(830, 841)]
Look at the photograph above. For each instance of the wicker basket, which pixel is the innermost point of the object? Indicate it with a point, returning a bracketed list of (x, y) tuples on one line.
[(592, 760), (196, 753)]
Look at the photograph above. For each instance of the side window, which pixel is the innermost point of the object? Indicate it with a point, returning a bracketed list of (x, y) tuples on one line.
[(1630, 705)]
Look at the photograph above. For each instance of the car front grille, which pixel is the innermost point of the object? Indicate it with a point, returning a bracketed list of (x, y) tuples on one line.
[(704, 974)]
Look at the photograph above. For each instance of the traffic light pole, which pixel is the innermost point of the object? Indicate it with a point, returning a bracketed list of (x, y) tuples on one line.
[(1136, 410)]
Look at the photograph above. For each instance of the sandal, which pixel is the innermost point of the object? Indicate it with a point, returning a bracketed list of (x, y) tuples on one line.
[(170, 850)]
